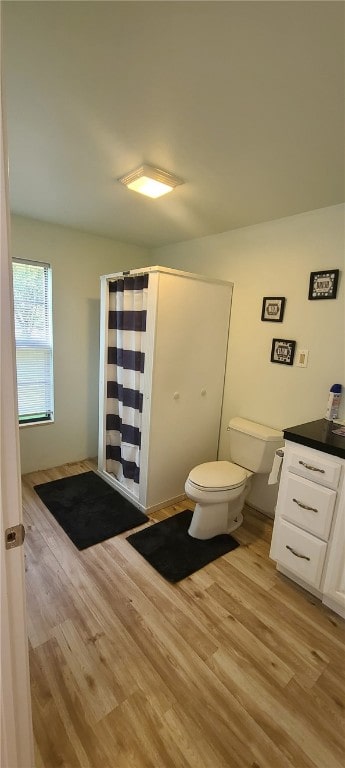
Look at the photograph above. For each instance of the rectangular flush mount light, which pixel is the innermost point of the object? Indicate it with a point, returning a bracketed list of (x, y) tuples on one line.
[(149, 181)]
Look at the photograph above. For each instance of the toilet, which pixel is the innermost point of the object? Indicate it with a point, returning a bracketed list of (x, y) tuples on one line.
[(220, 488)]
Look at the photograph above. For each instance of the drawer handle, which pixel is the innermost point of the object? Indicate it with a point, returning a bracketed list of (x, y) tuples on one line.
[(297, 554), (305, 506), (314, 469)]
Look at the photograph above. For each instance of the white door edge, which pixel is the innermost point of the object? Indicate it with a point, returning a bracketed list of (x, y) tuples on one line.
[(16, 723)]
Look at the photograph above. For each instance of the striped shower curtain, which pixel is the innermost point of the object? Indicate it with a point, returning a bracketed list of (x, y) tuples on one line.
[(125, 369)]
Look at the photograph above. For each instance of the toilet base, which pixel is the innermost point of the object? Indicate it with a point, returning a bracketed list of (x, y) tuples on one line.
[(236, 523), (213, 519)]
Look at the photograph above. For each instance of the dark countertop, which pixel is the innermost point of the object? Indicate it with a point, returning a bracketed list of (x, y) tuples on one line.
[(318, 435)]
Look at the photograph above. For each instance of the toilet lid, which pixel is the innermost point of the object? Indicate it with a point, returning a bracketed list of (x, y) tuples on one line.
[(218, 475)]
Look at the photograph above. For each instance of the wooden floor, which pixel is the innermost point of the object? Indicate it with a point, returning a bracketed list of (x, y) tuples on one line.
[(234, 667)]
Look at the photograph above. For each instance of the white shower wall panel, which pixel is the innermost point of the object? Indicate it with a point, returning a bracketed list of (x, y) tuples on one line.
[(191, 335)]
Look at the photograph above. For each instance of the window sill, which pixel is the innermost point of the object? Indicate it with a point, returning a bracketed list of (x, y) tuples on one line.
[(36, 424)]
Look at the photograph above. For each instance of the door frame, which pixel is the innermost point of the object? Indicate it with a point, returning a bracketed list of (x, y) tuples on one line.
[(16, 721)]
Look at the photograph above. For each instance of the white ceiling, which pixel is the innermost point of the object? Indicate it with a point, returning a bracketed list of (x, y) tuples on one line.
[(243, 100)]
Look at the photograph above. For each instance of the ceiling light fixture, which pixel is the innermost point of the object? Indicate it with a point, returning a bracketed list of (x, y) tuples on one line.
[(149, 181)]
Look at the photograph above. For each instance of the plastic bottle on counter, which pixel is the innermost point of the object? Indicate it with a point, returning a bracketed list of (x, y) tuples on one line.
[(333, 402)]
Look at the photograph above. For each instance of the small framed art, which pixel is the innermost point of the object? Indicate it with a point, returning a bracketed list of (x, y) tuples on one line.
[(273, 308), (323, 284), (283, 351)]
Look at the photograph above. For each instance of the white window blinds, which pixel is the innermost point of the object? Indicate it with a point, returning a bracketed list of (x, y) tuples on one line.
[(33, 331)]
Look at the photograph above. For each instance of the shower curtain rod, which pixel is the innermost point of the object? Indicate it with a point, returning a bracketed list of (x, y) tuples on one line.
[(166, 270)]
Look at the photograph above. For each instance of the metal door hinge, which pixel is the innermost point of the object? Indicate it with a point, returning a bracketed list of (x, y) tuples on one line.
[(14, 536)]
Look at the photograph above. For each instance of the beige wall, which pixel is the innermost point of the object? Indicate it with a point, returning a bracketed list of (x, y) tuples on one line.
[(275, 259), (77, 261), (270, 259)]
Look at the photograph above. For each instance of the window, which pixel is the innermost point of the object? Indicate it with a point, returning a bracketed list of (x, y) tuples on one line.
[(34, 348)]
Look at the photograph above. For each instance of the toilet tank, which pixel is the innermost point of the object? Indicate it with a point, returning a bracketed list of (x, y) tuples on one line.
[(253, 445)]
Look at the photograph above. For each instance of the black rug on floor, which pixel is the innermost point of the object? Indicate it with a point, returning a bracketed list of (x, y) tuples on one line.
[(168, 547), (88, 509)]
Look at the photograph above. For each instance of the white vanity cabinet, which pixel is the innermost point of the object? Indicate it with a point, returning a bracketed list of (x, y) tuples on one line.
[(334, 584), (308, 541)]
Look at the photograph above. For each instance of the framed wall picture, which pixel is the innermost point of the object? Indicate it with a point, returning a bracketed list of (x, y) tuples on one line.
[(273, 308), (323, 284), (283, 351)]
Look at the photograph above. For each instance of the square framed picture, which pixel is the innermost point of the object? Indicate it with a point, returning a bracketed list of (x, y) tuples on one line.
[(323, 284), (273, 308), (283, 351)]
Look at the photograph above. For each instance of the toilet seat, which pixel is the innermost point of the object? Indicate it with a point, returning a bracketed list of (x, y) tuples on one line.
[(217, 476)]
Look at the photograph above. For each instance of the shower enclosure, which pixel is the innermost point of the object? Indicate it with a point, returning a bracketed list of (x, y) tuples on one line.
[(164, 337)]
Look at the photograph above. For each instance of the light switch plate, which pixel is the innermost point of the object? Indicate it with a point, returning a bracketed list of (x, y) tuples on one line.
[(302, 358)]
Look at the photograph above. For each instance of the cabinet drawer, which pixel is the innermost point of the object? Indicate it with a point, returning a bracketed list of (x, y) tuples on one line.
[(315, 467), (309, 505), (300, 552)]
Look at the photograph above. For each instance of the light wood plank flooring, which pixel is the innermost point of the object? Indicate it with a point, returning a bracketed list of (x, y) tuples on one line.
[(234, 667)]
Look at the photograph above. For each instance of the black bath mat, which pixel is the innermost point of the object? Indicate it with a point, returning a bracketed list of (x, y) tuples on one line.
[(168, 547), (88, 509)]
